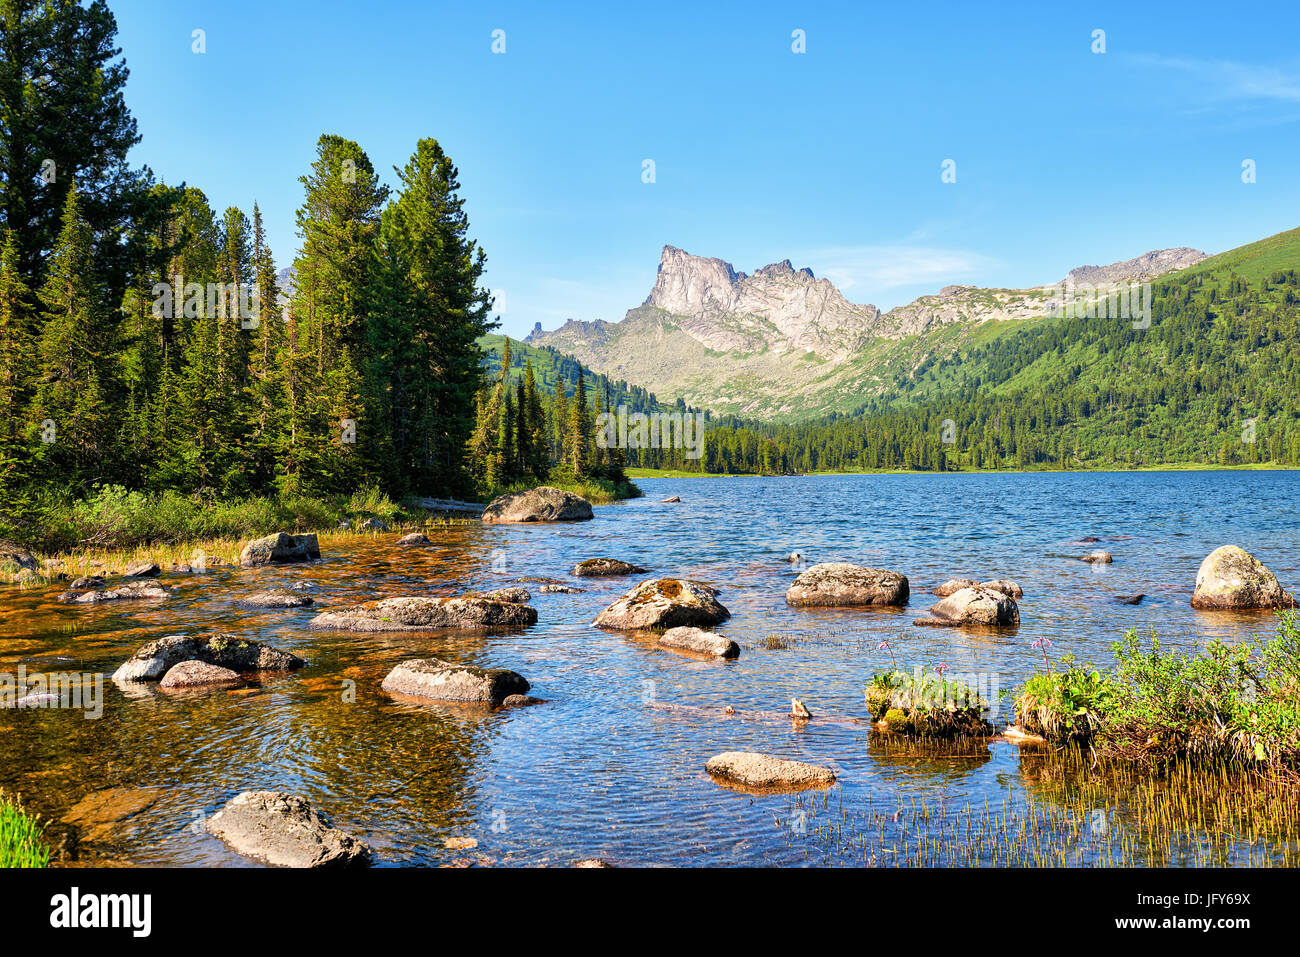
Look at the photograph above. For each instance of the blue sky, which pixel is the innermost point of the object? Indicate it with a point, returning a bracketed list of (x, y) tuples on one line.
[(831, 158)]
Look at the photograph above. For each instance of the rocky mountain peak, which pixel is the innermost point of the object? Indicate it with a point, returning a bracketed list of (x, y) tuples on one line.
[(1138, 269)]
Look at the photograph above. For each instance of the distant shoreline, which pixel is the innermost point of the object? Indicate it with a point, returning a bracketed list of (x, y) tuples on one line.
[(636, 473)]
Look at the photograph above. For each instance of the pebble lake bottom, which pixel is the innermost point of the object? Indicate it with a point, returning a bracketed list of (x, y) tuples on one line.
[(611, 766)]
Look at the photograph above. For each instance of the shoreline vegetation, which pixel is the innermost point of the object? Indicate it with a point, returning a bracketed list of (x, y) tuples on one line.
[(117, 526), (1235, 704)]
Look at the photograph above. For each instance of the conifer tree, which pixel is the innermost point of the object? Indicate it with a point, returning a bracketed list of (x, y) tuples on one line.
[(70, 413), (16, 350)]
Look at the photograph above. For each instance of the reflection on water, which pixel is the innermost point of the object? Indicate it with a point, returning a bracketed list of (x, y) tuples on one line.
[(612, 765)]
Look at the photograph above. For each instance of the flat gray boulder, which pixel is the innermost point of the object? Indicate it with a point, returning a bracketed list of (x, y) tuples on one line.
[(276, 598), (141, 570), (973, 606), (444, 681), (285, 831), (700, 642), (843, 584), (544, 504), (280, 548), (196, 674), (752, 770), (413, 614), (156, 658), (594, 567), (514, 593), (1231, 577), (146, 590), (664, 603)]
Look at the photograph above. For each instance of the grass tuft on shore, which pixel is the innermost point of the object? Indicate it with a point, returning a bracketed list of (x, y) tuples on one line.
[(22, 836)]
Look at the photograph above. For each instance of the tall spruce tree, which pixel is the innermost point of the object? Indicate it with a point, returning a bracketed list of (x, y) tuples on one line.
[(333, 298), (427, 363), (71, 413)]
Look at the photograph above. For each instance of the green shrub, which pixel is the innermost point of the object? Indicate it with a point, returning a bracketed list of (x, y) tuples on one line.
[(1239, 702)]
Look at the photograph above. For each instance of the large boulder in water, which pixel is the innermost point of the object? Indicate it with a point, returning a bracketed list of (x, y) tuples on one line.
[(1231, 577), (842, 584), (974, 606), (752, 770), (544, 504), (444, 681), (156, 658), (285, 831), (278, 548), (414, 614), (595, 567), (664, 603)]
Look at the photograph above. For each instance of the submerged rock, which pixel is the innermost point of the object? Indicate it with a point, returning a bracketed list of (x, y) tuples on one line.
[(973, 606), (193, 674), (664, 603), (415, 538), (754, 770), (700, 642), (594, 567), (1099, 557), (141, 570), (408, 614), (1130, 599), (148, 590), (544, 504), (156, 658), (444, 681), (561, 590), (670, 500), (286, 831), (842, 584), (1231, 577), (276, 598), (280, 547)]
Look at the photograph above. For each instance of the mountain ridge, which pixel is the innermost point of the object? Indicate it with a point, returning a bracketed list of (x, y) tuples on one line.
[(781, 343)]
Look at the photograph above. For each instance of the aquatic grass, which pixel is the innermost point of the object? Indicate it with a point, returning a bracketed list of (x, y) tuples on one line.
[(1068, 808), (22, 836)]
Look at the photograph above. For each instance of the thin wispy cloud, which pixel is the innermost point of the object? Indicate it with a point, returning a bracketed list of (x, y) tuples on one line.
[(870, 270), (1229, 80)]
